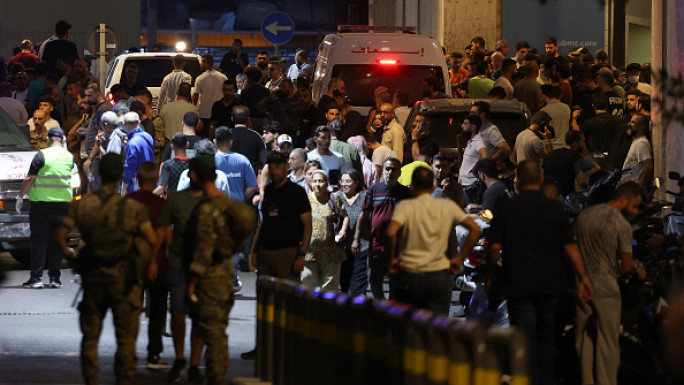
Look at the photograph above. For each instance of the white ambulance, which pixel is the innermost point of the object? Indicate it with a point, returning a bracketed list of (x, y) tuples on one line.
[(367, 60)]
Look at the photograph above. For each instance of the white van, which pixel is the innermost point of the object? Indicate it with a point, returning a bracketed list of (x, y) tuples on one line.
[(365, 61), (152, 68)]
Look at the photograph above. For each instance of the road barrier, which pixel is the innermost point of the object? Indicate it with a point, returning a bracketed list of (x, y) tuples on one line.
[(309, 337)]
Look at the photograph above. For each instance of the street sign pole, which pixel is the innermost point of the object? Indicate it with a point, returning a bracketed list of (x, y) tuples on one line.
[(102, 54), (277, 49)]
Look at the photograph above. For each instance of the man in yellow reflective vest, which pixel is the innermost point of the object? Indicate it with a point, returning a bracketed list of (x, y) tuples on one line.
[(48, 185)]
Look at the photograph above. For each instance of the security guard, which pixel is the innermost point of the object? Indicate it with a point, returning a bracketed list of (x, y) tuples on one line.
[(48, 184), (110, 226), (222, 226)]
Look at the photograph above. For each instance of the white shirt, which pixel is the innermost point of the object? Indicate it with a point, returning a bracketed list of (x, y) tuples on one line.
[(506, 85), (170, 84), (20, 96), (639, 151), (426, 223), (209, 86), (332, 161), (221, 182), (15, 109), (470, 156)]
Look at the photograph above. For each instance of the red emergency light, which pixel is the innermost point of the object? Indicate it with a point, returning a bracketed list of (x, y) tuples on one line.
[(388, 61)]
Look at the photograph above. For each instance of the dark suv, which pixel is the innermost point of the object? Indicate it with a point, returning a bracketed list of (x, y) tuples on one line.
[(445, 116)]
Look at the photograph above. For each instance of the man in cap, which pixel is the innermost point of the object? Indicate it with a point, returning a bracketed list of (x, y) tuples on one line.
[(48, 184), (534, 143), (108, 225), (209, 289), (140, 149)]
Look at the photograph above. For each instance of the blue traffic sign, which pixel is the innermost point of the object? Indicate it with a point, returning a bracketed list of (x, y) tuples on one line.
[(277, 28)]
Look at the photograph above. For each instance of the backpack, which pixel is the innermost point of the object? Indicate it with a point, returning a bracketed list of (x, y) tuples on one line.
[(107, 246)]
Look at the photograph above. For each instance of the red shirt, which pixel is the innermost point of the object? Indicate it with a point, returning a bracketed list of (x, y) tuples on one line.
[(28, 59), (154, 204)]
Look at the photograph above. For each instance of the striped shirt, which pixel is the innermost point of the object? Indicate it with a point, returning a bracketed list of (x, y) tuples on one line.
[(380, 201)]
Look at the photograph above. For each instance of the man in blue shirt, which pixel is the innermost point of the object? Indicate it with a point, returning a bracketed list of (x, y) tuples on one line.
[(140, 149), (241, 181)]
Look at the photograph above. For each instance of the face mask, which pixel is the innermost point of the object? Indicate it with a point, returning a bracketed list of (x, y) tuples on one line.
[(633, 79)]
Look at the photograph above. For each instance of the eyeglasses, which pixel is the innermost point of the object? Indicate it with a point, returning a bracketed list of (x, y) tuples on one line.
[(391, 168)]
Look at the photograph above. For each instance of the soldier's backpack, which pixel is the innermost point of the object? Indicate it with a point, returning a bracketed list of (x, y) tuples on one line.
[(106, 245)]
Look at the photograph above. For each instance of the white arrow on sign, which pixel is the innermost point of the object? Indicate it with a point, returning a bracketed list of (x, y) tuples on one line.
[(274, 28)]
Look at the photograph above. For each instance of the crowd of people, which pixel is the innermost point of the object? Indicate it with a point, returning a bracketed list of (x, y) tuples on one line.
[(247, 169)]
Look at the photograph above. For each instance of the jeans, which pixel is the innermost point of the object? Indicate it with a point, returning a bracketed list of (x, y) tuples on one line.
[(535, 316), (431, 290), (44, 217), (359, 274), (158, 292), (379, 262)]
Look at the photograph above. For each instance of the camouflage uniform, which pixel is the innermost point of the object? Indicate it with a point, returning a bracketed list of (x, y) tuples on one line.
[(217, 241), (107, 287), (159, 138)]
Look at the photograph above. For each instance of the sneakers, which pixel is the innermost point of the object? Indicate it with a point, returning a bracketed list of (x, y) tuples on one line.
[(237, 285), (176, 371), (33, 283), (154, 362), (194, 376), (243, 263), (55, 283), (250, 355)]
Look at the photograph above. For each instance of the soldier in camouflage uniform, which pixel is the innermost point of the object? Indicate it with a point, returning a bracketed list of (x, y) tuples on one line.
[(109, 286), (222, 226)]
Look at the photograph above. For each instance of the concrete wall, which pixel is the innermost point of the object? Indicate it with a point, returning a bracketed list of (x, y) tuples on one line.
[(35, 20), (453, 22), (668, 53)]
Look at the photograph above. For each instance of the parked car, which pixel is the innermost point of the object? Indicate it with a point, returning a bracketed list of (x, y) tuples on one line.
[(445, 116), (16, 155), (152, 68), (365, 61)]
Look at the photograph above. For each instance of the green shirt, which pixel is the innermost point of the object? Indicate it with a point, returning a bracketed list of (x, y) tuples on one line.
[(478, 88), (349, 152), (407, 171)]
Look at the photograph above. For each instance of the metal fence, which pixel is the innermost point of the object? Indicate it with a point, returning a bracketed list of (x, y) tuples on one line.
[(309, 337)]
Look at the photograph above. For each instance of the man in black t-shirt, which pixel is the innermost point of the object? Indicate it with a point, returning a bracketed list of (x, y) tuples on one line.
[(222, 109), (286, 227), (534, 234), (565, 163), (496, 189), (235, 61)]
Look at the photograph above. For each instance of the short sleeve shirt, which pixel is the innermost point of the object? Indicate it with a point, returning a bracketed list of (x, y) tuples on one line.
[(239, 172), (639, 151), (177, 212), (380, 201), (426, 223), (208, 85), (603, 234), (470, 157), (281, 210), (491, 135), (529, 147)]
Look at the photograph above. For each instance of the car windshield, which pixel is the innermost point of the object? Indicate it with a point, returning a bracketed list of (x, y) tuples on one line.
[(151, 71), (361, 80), (11, 138)]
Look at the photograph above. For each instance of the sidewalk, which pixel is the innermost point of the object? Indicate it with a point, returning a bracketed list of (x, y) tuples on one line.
[(40, 336)]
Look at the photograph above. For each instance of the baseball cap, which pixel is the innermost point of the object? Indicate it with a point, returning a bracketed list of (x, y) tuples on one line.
[(284, 138), (55, 131)]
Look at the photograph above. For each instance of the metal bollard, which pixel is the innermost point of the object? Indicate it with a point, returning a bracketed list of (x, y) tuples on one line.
[(283, 290), (343, 341), (415, 348), (261, 317), (378, 344), (327, 338), (398, 317), (297, 372), (466, 353), (265, 333), (514, 344), (361, 310), (314, 353), (438, 351)]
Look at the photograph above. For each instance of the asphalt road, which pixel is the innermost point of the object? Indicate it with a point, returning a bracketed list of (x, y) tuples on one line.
[(40, 337)]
